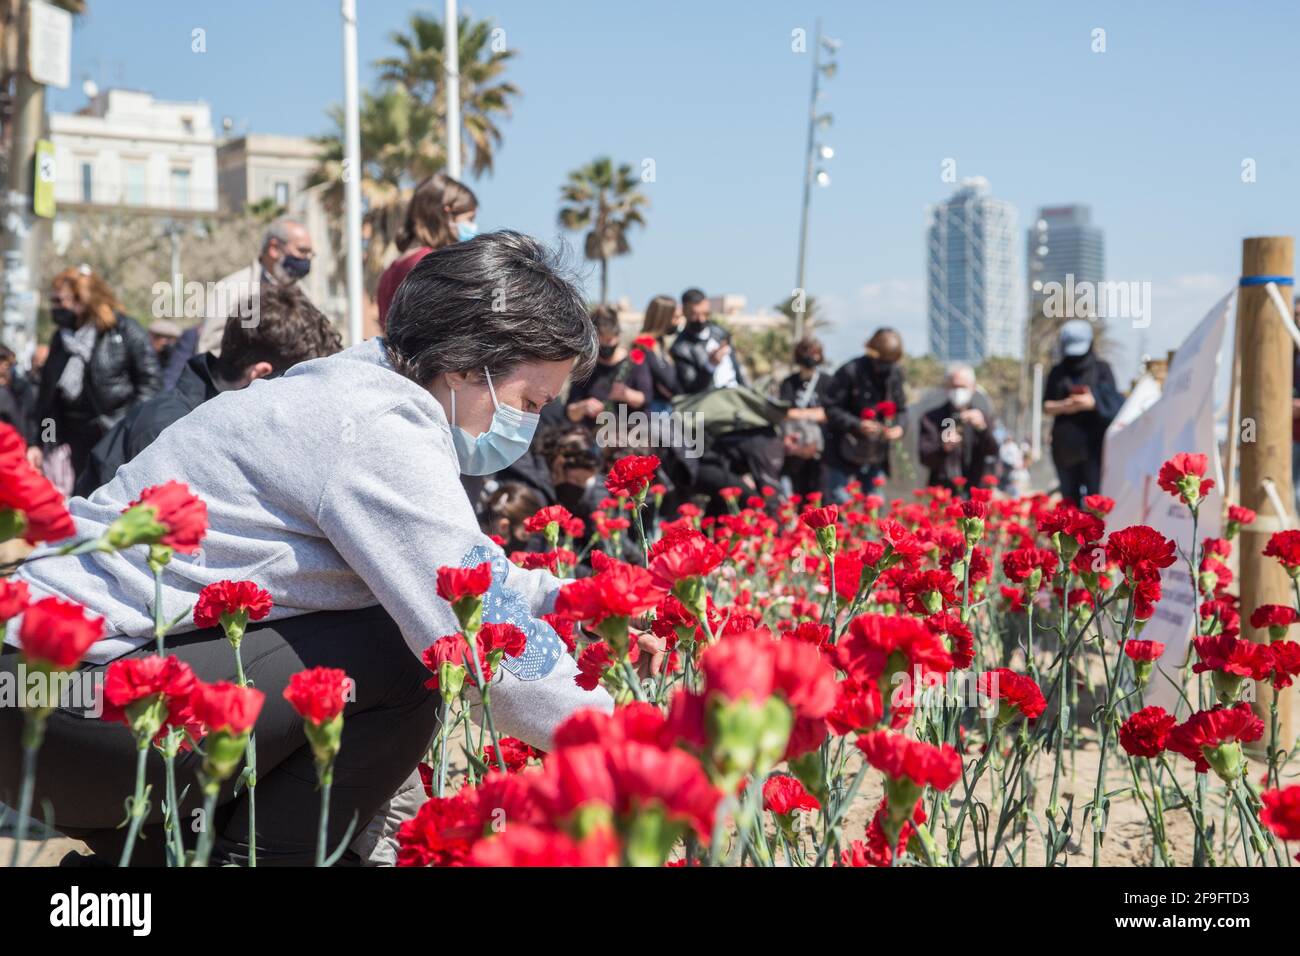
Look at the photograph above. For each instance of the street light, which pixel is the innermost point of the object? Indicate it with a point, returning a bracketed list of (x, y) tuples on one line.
[(821, 67)]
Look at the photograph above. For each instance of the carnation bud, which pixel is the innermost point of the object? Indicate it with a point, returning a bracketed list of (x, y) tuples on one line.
[(972, 530), (451, 679), (745, 737), (1207, 581), (1067, 546), (223, 752), (1227, 760), (1226, 686), (827, 541), (325, 739), (137, 525)]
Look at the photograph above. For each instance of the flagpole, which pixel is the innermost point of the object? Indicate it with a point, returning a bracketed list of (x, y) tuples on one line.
[(352, 170)]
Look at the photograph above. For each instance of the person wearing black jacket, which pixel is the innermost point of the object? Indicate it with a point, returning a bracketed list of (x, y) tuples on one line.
[(1081, 395), (616, 380), (290, 330), (101, 361), (862, 436), (702, 351), (955, 440), (805, 433)]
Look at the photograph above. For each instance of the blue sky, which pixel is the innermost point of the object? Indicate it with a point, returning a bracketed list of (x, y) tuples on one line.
[(1152, 132)]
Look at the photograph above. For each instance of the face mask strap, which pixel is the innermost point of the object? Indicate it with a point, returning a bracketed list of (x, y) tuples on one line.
[(492, 391)]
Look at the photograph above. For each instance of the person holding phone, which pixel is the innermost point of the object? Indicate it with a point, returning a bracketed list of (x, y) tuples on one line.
[(1081, 396)]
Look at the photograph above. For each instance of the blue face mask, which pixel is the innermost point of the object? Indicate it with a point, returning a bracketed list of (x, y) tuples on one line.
[(466, 231), (504, 443)]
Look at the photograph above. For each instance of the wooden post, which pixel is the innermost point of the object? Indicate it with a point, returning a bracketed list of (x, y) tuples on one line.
[(1266, 364)]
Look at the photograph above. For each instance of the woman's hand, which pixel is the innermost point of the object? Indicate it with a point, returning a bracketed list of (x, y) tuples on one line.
[(35, 457), (654, 650)]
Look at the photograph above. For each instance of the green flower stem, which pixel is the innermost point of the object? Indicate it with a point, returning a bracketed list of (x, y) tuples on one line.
[(33, 734), (171, 820), (211, 788), (326, 774), (139, 803)]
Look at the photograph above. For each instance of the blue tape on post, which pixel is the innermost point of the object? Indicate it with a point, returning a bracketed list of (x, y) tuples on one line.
[(1265, 280)]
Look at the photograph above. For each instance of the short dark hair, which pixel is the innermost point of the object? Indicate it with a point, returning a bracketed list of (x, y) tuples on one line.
[(809, 347), (495, 302), (605, 318), (692, 296), (288, 330)]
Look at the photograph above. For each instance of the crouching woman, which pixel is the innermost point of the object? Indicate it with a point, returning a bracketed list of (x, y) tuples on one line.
[(335, 487)]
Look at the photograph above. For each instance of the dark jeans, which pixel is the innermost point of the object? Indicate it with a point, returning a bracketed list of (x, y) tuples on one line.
[(87, 767), (1080, 479)]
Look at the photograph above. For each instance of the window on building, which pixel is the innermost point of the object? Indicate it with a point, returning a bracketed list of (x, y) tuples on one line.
[(282, 194), (87, 182), (134, 193), (181, 188)]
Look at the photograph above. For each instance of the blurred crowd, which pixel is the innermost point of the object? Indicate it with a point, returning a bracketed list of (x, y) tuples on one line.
[(104, 386)]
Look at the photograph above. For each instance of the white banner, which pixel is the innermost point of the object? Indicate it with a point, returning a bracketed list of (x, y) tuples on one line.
[(1181, 419)]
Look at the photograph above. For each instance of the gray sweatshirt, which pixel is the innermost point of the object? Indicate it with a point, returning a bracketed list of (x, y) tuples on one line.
[(334, 487)]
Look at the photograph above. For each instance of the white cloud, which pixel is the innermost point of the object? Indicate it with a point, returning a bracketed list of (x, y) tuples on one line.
[(895, 302)]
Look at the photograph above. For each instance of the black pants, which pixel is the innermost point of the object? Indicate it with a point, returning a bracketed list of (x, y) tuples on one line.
[(86, 767), (1080, 479)]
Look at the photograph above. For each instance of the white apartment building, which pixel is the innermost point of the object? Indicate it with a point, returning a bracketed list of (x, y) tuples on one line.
[(126, 148)]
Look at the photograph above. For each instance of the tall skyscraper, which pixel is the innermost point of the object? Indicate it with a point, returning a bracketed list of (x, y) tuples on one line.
[(972, 276), (1063, 242)]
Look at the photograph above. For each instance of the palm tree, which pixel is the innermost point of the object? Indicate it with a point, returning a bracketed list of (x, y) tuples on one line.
[(603, 200), (484, 96), (399, 145)]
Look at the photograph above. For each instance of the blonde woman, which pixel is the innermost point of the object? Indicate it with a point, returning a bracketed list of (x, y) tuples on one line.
[(101, 361)]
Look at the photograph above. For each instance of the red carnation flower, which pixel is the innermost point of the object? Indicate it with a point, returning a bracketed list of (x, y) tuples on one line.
[(784, 795), (1099, 504), (1015, 693), (319, 694), (227, 707), (1211, 738), (514, 751), (181, 513), (452, 649), (504, 637), (442, 831), (29, 504), (691, 556), (14, 596), (1281, 811), (231, 598), (457, 583), (522, 845), (132, 679), (1020, 565), (1276, 617), (555, 514), (898, 756), (1285, 546), (58, 633), (1140, 551), (879, 646), (1284, 662), (820, 517), (616, 590), (630, 476), (886, 410), (1146, 733), (1183, 476)]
